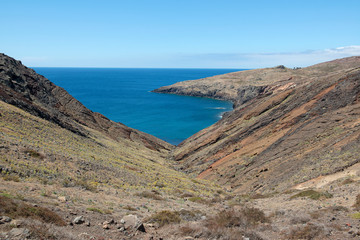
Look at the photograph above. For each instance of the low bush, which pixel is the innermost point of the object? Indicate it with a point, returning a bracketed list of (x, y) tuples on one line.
[(86, 185), (244, 218), (14, 209), (11, 177), (357, 202), (93, 209), (198, 200), (312, 194), (228, 224), (34, 154), (347, 181), (308, 232), (130, 208), (152, 195), (164, 217)]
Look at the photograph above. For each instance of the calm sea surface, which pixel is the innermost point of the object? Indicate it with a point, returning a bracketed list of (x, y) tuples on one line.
[(123, 95)]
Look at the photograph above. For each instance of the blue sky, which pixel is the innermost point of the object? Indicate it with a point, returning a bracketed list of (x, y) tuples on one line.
[(186, 33)]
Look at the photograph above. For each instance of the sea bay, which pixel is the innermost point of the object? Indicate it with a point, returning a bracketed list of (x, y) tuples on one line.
[(124, 95)]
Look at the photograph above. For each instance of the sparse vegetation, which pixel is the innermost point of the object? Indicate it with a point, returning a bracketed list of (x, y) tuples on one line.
[(11, 177), (199, 200), (228, 224), (152, 195), (348, 181), (130, 208), (83, 183), (93, 209), (15, 209), (165, 217), (357, 202), (312, 194), (308, 232), (34, 154)]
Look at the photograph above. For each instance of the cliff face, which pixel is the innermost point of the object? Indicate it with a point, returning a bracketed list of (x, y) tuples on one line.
[(24, 88), (288, 126)]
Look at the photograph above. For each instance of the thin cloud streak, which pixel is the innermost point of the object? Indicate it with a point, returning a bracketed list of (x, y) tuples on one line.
[(260, 60), (209, 60)]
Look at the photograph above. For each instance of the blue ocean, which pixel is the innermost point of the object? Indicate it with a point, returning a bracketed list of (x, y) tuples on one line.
[(123, 95)]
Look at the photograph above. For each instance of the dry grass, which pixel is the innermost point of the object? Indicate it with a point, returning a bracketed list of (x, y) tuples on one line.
[(93, 209), (130, 208), (152, 195), (228, 224), (199, 200), (15, 209), (164, 217), (308, 232), (11, 177), (90, 162)]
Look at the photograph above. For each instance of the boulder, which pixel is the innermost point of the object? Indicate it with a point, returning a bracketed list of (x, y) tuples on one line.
[(19, 233), (4, 219), (79, 220), (63, 199), (132, 221)]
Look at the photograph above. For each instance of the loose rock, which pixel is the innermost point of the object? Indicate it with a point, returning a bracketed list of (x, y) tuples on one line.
[(132, 221), (79, 220), (19, 233), (4, 219)]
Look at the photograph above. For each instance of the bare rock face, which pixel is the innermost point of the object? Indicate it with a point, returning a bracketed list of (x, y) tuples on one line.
[(24, 88), (288, 126)]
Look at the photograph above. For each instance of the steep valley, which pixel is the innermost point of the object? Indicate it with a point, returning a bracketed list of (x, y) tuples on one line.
[(284, 164)]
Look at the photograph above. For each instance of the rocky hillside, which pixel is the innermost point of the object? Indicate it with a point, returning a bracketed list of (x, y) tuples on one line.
[(288, 126), (24, 88), (69, 173)]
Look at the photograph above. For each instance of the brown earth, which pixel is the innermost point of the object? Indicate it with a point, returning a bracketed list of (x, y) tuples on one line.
[(296, 139), (301, 124)]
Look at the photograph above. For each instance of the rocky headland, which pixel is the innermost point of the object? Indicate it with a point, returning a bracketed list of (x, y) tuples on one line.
[(288, 126)]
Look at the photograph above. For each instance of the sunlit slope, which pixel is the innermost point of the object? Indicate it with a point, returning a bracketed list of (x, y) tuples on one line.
[(288, 126), (37, 150)]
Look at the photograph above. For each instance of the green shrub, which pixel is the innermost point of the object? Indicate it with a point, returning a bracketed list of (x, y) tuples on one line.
[(93, 209), (11, 177), (312, 194)]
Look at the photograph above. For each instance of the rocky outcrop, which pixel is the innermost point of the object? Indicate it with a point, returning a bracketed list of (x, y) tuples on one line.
[(288, 126), (24, 88)]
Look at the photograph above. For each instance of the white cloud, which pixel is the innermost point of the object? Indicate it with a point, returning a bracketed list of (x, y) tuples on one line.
[(289, 59), (210, 60)]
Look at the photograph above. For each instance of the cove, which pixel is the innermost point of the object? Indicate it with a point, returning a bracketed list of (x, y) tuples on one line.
[(123, 95)]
